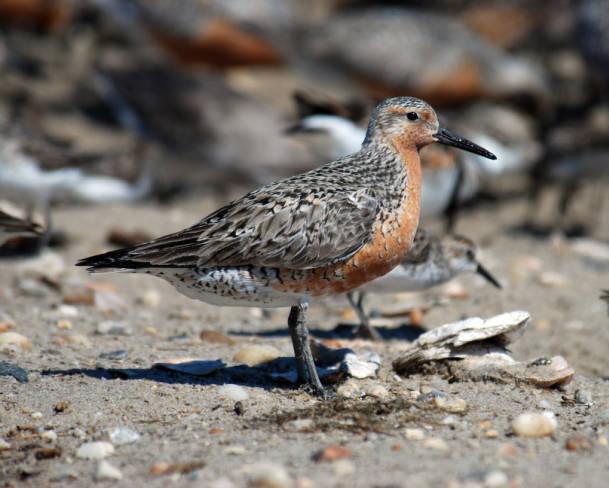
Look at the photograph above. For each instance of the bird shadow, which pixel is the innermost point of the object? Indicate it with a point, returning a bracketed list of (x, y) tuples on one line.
[(269, 375), (404, 332)]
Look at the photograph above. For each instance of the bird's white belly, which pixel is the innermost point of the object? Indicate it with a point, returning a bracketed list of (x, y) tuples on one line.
[(398, 280), (232, 287)]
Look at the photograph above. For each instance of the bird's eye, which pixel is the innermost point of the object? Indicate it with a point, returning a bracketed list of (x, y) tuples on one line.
[(412, 116)]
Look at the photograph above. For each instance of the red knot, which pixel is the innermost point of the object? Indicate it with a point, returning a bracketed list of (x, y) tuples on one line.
[(323, 232), (431, 261)]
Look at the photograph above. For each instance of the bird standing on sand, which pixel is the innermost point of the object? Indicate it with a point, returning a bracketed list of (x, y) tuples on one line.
[(326, 231), (430, 261)]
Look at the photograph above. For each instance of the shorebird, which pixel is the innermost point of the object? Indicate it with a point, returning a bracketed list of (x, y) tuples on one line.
[(323, 232), (430, 261), (14, 222)]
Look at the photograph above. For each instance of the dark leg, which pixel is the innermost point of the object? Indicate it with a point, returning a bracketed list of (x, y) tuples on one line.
[(364, 329), (302, 348)]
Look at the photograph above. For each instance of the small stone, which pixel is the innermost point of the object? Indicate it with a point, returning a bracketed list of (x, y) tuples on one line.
[(150, 298), (32, 288), (583, 397), (49, 436), (105, 471), (578, 442), (151, 330), (377, 391), (233, 392), (216, 431), (299, 425), (332, 453), (343, 467), (4, 445), (551, 279), (533, 424), (67, 311), (215, 337), (17, 372), (112, 327), (36, 415), (451, 405), (255, 355), (61, 407), (123, 435), (239, 408), (64, 324), (544, 404), (495, 479), (267, 475), (13, 341), (414, 434), (235, 450), (602, 441), (78, 340), (95, 450), (491, 434), (114, 355), (508, 449), (162, 468), (349, 389), (436, 443)]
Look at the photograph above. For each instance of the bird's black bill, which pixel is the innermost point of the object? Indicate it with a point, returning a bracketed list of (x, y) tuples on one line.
[(444, 136), (481, 270)]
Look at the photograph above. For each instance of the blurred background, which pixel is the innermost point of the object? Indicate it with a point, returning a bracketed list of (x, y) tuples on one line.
[(105, 101)]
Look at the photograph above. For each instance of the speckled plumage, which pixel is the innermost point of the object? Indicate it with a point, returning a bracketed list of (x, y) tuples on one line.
[(326, 231)]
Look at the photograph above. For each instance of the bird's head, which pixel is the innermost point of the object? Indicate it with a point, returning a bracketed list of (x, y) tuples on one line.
[(411, 122)]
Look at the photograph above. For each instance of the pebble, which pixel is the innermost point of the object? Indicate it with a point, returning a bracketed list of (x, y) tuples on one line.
[(67, 311), (11, 341), (583, 397), (79, 340), (377, 391), (451, 405), (47, 266), (112, 327), (233, 392), (4, 445), (544, 405), (349, 389), (32, 288), (235, 450), (436, 443), (105, 471), (495, 479), (256, 354), (95, 450), (343, 467), (415, 434), (123, 435), (578, 442), (551, 279), (267, 475), (49, 436), (534, 424), (64, 324), (36, 415), (299, 425), (114, 355), (150, 298), (332, 453), (215, 337)]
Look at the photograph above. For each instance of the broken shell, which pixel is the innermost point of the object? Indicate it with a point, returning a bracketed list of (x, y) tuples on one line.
[(448, 340)]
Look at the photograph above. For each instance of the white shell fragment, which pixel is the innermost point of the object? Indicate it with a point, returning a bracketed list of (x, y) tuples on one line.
[(363, 366), (95, 450), (479, 347), (192, 366), (448, 340)]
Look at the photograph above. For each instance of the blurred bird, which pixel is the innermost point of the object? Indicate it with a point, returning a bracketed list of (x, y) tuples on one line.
[(431, 261), (198, 32), (397, 50), (14, 222), (40, 14), (324, 232)]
